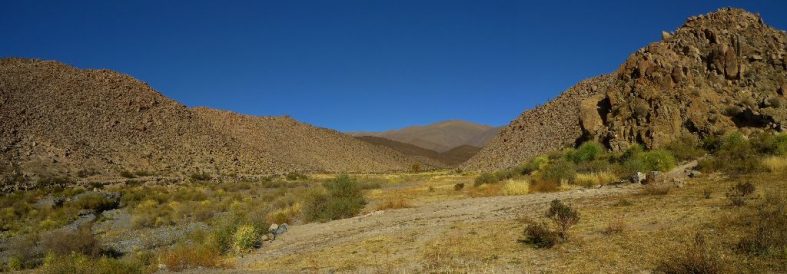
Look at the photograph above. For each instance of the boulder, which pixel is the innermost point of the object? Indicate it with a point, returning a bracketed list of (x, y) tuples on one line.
[(652, 177), (637, 178)]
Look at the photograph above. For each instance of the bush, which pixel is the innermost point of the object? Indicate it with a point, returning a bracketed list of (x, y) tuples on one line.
[(775, 163), (697, 258), (563, 216), (558, 171), (540, 236), (770, 144), (660, 160), (200, 176), (78, 263), (734, 154), (184, 256), (64, 242), (293, 176), (535, 164), (485, 178), (459, 186), (768, 236), (342, 198), (586, 152), (737, 194), (246, 237), (685, 148)]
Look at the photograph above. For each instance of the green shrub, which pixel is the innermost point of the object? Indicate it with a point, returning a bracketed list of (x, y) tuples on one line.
[(734, 155), (535, 164), (95, 201), (685, 148), (342, 198), (660, 160), (588, 151), (559, 170), (485, 178), (770, 144), (246, 237)]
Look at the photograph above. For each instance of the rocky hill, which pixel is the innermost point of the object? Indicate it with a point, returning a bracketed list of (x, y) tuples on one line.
[(721, 71), (59, 120), (439, 137)]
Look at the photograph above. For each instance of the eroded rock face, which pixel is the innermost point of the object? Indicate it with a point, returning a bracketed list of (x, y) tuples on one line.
[(718, 72)]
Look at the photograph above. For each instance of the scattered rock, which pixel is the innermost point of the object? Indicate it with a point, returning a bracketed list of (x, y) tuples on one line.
[(637, 178), (652, 177)]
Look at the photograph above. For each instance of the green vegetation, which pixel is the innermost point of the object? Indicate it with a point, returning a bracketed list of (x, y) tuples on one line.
[(341, 198)]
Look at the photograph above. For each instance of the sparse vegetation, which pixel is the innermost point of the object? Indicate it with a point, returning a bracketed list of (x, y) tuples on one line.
[(738, 193), (767, 236), (698, 257), (342, 198), (562, 216), (540, 236)]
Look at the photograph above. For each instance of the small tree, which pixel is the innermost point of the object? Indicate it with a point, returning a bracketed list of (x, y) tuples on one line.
[(563, 216)]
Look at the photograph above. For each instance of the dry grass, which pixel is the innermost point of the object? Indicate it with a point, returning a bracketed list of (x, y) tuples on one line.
[(615, 227), (394, 203), (544, 186), (182, 257), (656, 189), (512, 188), (775, 163), (595, 178)]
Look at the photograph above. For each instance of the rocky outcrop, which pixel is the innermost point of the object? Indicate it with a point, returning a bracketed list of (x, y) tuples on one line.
[(57, 120), (721, 71)]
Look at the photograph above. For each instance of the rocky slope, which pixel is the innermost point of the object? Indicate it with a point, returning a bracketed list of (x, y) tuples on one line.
[(450, 158), (718, 72), (439, 137), (59, 120)]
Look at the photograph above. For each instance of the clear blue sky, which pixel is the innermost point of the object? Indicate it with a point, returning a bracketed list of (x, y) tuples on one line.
[(353, 65)]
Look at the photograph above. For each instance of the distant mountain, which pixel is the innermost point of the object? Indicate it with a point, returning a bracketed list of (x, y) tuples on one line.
[(450, 158), (439, 137)]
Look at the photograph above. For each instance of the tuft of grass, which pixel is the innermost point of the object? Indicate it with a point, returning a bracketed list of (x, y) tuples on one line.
[(537, 186), (185, 256), (513, 188), (64, 242), (775, 164), (595, 178), (615, 227), (738, 193)]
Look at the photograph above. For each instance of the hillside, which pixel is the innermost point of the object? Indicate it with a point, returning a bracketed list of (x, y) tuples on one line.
[(450, 158), (441, 136), (720, 71), (60, 120)]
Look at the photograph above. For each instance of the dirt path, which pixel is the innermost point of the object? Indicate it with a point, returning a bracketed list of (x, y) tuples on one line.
[(427, 219)]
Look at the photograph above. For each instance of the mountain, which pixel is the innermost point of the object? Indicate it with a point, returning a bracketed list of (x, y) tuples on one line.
[(450, 158), (718, 72), (59, 120), (439, 137)]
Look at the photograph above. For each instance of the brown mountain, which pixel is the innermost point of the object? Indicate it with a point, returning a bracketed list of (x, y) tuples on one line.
[(439, 137), (56, 119), (450, 158), (721, 71)]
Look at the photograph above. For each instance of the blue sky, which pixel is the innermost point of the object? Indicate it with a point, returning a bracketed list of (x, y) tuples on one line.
[(353, 65)]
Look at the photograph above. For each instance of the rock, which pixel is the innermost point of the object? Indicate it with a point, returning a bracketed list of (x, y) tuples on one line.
[(665, 35), (637, 178), (693, 173), (273, 228), (281, 229)]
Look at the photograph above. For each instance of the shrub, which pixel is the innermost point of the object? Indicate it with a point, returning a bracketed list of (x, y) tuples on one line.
[(64, 242), (184, 256), (540, 236), (200, 176), (737, 194), (245, 238), (342, 198), (535, 164), (459, 186), (735, 154), (127, 174), (697, 258), (770, 144), (685, 147), (95, 201), (515, 188), (543, 186), (394, 203), (558, 171), (563, 216), (293, 176), (660, 160), (78, 263), (485, 178), (768, 236), (586, 152)]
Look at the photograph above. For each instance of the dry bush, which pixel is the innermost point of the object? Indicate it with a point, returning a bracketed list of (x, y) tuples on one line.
[(544, 186), (768, 236), (540, 236), (513, 188), (696, 258), (775, 164), (64, 242), (656, 189), (564, 216), (185, 256), (594, 178), (738, 193), (459, 186), (394, 203), (615, 227)]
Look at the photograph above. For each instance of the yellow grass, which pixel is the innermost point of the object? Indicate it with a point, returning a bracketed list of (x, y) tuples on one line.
[(595, 178), (512, 188), (394, 203), (775, 163)]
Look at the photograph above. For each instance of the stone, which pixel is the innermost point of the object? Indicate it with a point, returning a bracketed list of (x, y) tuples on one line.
[(665, 35), (637, 178), (281, 229), (693, 173), (652, 177), (273, 228)]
